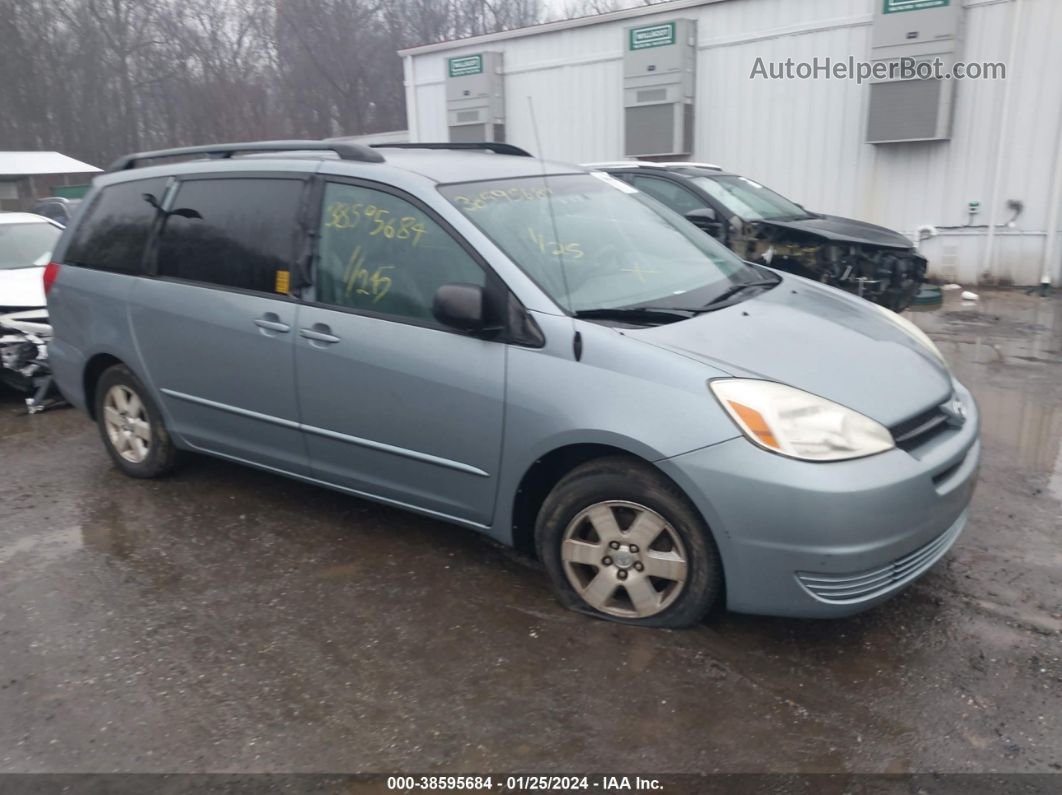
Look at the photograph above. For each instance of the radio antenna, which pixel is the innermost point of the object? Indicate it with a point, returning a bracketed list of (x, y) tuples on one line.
[(549, 204)]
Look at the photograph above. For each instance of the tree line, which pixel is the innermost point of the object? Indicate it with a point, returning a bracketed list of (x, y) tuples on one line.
[(98, 78)]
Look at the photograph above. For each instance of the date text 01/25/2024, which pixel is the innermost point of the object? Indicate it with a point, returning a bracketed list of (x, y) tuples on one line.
[(524, 783)]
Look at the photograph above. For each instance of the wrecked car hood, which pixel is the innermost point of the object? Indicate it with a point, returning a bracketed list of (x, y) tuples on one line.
[(22, 287), (844, 230), (818, 339)]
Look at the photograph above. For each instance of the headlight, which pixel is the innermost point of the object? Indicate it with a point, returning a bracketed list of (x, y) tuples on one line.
[(797, 424), (912, 331)]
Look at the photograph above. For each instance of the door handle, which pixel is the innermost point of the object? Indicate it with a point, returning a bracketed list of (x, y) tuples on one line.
[(319, 332), (270, 321)]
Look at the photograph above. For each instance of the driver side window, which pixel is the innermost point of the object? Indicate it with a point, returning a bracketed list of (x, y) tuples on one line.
[(668, 193), (380, 253)]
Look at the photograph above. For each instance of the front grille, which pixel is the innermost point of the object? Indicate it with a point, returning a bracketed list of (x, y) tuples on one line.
[(920, 429), (848, 588)]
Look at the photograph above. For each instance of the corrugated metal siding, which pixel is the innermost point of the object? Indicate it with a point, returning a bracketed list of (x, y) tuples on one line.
[(805, 138)]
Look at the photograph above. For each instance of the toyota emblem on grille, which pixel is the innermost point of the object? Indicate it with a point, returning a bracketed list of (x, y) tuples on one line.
[(955, 411)]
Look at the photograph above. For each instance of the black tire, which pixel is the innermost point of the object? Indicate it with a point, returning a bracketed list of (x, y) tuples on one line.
[(161, 455), (628, 480)]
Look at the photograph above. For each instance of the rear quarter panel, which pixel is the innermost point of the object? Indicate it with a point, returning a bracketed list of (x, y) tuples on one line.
[(88, 312)]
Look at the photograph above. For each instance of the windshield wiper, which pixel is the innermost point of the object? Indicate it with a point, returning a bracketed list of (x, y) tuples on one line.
[(730, 292), (648, 315)]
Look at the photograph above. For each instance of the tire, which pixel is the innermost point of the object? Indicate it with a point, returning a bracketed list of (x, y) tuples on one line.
[(131, 426), (587, 535)]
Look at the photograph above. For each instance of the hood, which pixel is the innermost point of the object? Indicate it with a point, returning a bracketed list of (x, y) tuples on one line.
[(818, 339), (844, 230), (22, 287)]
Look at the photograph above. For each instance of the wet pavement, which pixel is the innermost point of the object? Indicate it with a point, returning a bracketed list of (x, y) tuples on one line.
[(230, 620)]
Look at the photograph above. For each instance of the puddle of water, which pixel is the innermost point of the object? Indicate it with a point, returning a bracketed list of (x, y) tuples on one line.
[(1007, 348)]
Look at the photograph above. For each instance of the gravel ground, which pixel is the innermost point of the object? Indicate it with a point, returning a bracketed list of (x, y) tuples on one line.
[(229, 620)]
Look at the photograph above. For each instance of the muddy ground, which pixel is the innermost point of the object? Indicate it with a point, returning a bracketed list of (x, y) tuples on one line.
[(229, 620)]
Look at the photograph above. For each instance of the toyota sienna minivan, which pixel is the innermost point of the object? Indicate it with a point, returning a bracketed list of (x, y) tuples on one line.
[(536, 351)]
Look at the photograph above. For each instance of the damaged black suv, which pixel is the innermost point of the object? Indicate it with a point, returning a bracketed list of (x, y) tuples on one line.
[(761, 226)]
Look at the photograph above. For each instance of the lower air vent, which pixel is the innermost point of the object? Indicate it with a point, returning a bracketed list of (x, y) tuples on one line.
[(842, 589)]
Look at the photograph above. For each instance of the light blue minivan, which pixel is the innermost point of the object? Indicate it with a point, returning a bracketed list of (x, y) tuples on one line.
[(525, 348)]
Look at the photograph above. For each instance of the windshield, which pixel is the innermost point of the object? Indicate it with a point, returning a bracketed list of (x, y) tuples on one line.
[(593, 242), (749, 200), (26, 245)]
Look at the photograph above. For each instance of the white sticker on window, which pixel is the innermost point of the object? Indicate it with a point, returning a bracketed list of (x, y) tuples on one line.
[(618, 184)]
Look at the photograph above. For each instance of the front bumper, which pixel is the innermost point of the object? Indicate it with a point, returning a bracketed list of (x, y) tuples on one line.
[(829, 540)]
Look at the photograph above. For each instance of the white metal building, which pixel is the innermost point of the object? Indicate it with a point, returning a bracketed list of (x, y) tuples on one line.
[(1001, 139)]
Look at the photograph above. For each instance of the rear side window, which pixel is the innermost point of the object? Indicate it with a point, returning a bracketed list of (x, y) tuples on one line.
[(241, 233), (113, 234)]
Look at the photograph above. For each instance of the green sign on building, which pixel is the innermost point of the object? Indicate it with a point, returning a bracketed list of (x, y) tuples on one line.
[(895, 6), (652, 36), (465, 65)]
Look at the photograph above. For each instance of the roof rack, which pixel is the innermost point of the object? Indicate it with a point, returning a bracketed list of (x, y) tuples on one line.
[(486, 146), (652, 164), (345, 151)]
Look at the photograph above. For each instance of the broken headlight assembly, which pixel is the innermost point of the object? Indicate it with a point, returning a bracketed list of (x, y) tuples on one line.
[(798, 424)]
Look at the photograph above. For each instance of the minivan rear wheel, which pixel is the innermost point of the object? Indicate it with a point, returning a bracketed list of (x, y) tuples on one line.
[(131, 426), (621, 542)]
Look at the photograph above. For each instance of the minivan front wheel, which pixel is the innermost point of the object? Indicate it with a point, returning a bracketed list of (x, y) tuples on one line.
[(131, 426), (621, 542)]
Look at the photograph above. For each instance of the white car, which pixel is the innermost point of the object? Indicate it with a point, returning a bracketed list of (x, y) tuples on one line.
[(26, 243)]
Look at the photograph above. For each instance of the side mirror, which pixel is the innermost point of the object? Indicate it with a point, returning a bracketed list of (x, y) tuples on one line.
[(460, 306), (705, 218)]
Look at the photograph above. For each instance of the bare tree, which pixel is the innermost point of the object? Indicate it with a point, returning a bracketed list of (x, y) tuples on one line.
[(97, 78)]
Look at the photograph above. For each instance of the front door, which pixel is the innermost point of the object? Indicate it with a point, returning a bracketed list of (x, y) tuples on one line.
[(215, 326), (394, 405)]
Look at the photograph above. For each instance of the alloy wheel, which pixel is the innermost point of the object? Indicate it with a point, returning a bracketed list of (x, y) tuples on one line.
[(127, 423), (624, 559)]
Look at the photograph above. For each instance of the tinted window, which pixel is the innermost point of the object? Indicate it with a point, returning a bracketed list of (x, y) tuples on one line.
[(233, 233), (669, 193), (113, 234), (380, 253)]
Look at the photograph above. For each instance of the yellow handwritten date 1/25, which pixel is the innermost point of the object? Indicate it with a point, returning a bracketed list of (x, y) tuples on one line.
[(340, 215), (359, 280), (554, 248), (471, 204)]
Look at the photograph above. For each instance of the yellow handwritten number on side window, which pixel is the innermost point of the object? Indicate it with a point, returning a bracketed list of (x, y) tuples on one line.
[(361, 281)]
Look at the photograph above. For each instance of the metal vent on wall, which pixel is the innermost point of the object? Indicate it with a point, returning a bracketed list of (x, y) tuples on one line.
[(466, 133), (475, 97), (659, 71), (907, 110), (920, 33), (648, 127), (651, 95)]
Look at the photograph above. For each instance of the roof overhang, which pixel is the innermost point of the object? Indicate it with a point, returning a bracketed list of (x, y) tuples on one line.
[(29, 164), (563, 24)]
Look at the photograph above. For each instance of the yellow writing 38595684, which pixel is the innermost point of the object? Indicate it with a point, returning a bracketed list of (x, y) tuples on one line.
[(340, 215)]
